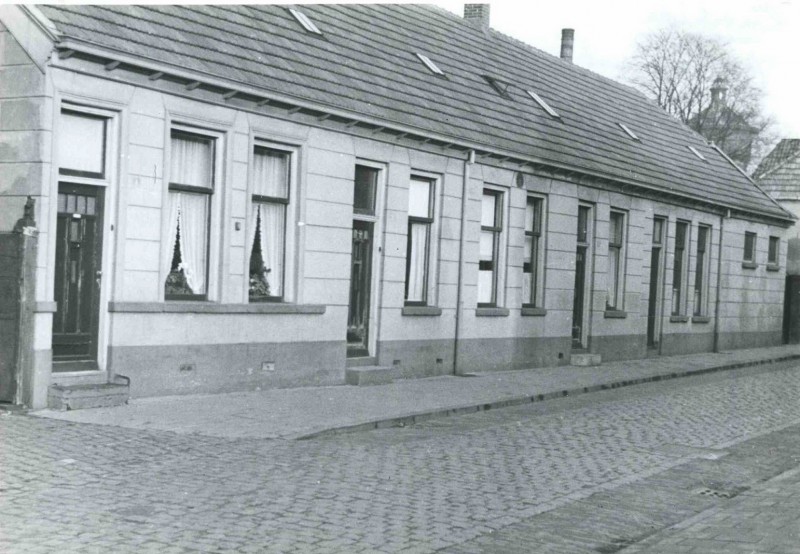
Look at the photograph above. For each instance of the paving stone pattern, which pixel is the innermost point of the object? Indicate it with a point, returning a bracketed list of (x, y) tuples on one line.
[(444, 484)]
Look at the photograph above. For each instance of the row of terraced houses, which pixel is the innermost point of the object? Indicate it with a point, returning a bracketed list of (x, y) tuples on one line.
[(221, 198)]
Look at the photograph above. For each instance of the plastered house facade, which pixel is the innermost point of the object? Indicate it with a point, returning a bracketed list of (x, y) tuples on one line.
[(234, 198)]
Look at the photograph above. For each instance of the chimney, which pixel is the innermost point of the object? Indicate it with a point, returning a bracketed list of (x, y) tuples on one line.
[(567, 40), (477, 14)]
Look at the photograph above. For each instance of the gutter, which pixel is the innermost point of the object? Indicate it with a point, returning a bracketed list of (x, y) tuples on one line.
[(462, 245)]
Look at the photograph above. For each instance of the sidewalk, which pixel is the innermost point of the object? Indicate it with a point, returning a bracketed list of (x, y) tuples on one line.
[(309, 411)]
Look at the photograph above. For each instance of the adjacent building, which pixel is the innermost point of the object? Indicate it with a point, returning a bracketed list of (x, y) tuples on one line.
[(234, 197)]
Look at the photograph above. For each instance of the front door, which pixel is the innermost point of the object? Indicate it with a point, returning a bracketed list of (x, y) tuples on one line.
[(656, 270), (580, 333), (77, 281), (360, 284)]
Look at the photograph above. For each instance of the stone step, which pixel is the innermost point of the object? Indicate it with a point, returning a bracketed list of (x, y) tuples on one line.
[(585, 360), (78, 397), (368, 375)]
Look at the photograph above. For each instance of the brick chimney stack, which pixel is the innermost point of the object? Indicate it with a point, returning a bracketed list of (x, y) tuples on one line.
[(477, 14), (567, 40)]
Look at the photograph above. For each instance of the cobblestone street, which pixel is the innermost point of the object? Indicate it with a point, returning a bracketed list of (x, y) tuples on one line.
[(597, 473)]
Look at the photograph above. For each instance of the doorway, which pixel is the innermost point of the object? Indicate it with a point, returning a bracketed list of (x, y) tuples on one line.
[(656, 279), (583, 271), (79, 243)]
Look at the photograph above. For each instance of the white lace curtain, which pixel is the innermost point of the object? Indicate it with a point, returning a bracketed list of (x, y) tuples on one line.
[(270, 178), (416, 261), (189, 214)]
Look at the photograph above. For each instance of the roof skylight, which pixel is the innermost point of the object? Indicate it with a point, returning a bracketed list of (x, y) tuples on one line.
[(303, 19), (545, 106), (500, 86), (430, 65), (628, 131), (697, 153)]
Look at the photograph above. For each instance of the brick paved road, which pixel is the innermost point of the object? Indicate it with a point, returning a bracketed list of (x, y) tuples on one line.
[(464, 484)]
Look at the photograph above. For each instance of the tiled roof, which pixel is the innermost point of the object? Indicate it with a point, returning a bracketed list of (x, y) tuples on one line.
[(365, 62), (779, 172)]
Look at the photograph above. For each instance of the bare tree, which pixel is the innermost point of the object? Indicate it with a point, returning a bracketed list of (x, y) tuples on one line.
[(697, 80)]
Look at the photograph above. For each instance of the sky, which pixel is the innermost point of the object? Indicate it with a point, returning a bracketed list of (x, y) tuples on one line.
[(763, 34)]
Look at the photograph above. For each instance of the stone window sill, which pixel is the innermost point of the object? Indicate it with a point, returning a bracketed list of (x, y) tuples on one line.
[(749, 265), (615, 314), (422, 310), (773, 267), (678, 318), (46, 307), (533, 311), (492, 312), (212, 308), (700, 319)]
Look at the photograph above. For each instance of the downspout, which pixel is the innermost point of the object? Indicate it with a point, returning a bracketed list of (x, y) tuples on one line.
[(719, 278), (462, 245)]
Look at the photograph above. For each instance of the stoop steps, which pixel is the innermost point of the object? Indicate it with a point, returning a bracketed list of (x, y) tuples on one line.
[(368, 375), (88, 395), (585, 360)]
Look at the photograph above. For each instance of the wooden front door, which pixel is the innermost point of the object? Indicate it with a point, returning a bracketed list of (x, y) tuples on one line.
[(77, 281), (360, 284), (583, 268)]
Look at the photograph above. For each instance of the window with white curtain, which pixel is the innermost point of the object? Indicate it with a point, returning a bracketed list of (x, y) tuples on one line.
[(191, 185), (271, 169), (701, 270), (489, 247), (616, 261), (533, 262), (420, 220)]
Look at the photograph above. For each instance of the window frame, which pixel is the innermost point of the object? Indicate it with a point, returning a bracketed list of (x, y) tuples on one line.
[(622, 255), (774, 261), (702, 269), (679, 305), (497, 257), (218, 145), (751, 260), (286, 202), (537, 268), (88, 113), (429, 243)]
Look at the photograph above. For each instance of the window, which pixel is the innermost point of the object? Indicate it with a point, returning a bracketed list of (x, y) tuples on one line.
[(366, 183), (544, 105), (500, 86), (773, 253), (533, 266), (749, 248), (628, 131), (701, 271), (697, 153), (679, 268), (420, 218), (82, 144), (267, 226), (191, 186), (489, 249), (430, 65), (303, 19), (616, 261)]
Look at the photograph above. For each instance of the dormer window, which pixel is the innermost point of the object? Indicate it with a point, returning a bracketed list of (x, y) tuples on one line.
[(430, 65), (303, 19), (697, 153), (628, 131), (544, 105), (500, 86)]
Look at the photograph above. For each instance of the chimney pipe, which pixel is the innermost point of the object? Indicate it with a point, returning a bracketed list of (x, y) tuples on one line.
[(477, 14), (567, 40)]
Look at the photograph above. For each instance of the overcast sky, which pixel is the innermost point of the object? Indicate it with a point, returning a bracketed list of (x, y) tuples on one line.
[(763, 34)]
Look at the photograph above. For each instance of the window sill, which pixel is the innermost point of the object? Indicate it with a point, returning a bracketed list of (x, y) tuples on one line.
[(700, 319), (212, 308), (492, 312), (678, 318), (615, 314), (773, 267), (533, 311), (422, 310), (749, 265), (45, 307)]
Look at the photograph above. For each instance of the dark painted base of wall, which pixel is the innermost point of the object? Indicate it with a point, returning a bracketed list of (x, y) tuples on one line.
[(503, 354), (216, 368), (732, 341), (688, 343), (622, 347), (417, 358)]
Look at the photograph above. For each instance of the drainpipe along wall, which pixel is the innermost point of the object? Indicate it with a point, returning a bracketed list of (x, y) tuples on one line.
[(462, 240)]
